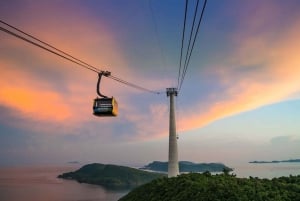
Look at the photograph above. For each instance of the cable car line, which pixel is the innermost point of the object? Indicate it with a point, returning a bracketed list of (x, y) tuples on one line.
[(182, 42), (67, 56), (45, 48), (195, 37), (190, 38), (189, 53), (133, 85), (47, 44)]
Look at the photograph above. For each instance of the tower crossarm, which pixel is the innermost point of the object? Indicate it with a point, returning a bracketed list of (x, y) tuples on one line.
[(172, 91)]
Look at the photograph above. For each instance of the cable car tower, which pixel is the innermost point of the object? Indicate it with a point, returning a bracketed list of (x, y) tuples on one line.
[(173, 169)]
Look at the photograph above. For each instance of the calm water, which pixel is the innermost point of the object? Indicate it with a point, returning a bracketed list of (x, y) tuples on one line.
[(40, 183), (266, 170)]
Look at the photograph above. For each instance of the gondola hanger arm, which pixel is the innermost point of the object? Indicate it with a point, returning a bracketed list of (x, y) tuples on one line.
[(106, 74)]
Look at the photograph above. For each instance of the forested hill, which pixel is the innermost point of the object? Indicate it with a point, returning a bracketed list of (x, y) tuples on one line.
[(224, 187), (111, 176), (186, 166)]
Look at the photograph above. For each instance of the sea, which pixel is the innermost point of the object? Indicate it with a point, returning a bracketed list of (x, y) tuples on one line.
[(40, 183)]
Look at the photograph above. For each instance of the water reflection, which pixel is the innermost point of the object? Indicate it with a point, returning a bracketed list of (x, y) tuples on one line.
[(40, 183)]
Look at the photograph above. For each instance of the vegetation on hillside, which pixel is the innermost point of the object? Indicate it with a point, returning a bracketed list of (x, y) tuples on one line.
[(223, 187), (111, 176)]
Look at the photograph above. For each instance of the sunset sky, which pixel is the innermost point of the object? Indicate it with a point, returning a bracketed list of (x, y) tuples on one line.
[(239, 100)]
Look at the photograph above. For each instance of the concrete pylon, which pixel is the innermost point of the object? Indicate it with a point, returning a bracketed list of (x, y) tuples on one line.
[(173, 169)]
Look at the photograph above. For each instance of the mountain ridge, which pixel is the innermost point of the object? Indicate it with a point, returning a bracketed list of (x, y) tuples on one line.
[(187, 166)]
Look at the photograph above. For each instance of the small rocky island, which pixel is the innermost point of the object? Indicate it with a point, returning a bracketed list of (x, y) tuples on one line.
[(111, 176), (186, 166)]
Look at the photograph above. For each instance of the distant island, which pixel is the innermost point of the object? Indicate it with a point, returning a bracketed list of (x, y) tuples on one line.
[(282, 161), (73, 162), (186, 166), (111, 176)]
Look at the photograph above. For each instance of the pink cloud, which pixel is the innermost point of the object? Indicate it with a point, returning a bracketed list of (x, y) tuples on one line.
[(47, 89)]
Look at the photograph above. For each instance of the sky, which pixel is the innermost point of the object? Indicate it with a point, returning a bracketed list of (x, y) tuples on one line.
[(240, 99)]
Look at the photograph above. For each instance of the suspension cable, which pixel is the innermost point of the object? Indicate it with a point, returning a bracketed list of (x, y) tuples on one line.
[(45, 48), (47, 44), (189, 44), (182, 41), (188, 55), (65, 55), (133, 85)]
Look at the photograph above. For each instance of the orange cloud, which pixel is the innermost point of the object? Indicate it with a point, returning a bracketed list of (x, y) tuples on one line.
[(30, 97), (47, 89), (46, 105)]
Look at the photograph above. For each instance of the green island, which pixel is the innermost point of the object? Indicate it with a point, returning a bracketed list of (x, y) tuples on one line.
[(186, 166), (111, 176), (222, 187), (121, 177)]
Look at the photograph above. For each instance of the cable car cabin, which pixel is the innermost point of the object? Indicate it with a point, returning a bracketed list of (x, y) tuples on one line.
[(105, 107)]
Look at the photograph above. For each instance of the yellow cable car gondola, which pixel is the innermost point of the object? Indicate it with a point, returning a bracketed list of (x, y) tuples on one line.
[(105, 106)]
